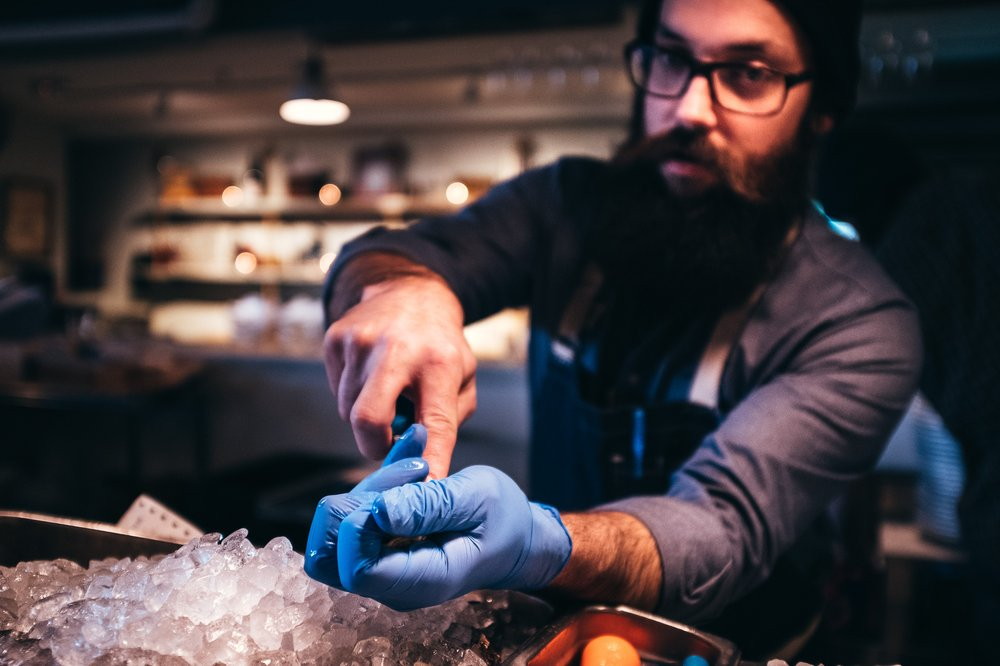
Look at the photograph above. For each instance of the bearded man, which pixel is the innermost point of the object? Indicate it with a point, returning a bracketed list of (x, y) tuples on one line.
[(711, 363)]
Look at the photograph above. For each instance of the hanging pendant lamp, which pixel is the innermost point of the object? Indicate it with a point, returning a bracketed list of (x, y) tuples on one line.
[(310, 102)]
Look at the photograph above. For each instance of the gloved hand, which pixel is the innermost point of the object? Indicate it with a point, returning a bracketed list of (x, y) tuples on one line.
[(482, 532), (402, 465)]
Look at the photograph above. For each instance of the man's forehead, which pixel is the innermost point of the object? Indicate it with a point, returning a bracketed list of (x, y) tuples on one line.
[(725, 28)]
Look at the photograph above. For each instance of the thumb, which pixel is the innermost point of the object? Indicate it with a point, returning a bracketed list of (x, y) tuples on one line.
[(409, 445), (405, 471), (419, 509)]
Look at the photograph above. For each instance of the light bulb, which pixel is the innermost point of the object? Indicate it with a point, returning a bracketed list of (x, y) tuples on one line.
[(304, 111)]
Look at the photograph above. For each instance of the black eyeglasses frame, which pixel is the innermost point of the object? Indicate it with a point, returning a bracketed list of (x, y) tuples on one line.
[(706, 69)]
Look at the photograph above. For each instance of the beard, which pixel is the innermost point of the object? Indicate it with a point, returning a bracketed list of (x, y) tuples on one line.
[(703, 251)]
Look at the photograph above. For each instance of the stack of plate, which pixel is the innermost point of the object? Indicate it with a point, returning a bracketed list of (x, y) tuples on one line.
[(942, 475)]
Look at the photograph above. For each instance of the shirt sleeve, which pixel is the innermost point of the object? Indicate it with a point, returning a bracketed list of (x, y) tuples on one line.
[(779, 458), (486, 251)]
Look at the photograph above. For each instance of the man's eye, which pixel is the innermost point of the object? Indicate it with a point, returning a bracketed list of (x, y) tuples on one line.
[(672, 60), (752, 74), (746, 76)]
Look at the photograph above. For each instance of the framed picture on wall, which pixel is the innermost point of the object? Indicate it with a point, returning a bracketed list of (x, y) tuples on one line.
[(25, 218)]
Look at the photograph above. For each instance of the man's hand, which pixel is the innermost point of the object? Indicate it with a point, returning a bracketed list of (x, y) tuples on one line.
[(481, 532), (402, 465), (405, 337)]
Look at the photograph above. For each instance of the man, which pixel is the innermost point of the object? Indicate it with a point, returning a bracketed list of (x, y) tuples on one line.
[(704, 349)]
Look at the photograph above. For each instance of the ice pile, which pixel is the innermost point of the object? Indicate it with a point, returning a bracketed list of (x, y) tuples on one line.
[(224, 601)]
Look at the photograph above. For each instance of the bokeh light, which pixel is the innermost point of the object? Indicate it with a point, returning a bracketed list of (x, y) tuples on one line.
[(330, 194), (457, 193), (245, 263), (232, 196)]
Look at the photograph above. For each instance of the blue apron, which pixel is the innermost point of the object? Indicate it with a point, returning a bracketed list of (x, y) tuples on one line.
[(583, 455)]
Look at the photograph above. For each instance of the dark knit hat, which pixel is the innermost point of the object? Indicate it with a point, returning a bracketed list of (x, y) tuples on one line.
[(832, 29)]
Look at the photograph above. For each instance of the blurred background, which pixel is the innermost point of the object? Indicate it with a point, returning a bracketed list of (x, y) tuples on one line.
[(164, 231)]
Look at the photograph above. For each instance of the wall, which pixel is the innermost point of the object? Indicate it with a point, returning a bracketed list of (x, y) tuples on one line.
[(31, 147), (264, 407), (436, 157)]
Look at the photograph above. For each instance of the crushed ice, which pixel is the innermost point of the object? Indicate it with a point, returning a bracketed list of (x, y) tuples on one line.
[(227, 602)]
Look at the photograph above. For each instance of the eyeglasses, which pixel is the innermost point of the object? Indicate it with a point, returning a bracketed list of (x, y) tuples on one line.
[(740, 87)]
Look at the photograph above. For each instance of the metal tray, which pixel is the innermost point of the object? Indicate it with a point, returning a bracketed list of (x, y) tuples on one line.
[(658, 640), (32, 536)]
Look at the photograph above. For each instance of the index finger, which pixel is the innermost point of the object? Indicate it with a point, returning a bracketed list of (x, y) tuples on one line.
[(437, 409)]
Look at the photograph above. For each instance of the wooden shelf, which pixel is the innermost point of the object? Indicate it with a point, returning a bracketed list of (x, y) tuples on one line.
[(220, 282), (187, 289), (263, 275), (348, 211)]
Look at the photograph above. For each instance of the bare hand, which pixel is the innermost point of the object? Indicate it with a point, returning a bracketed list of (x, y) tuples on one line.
[(405, 337)]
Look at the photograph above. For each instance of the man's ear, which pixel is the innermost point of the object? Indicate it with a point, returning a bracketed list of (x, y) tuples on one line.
[(822, 123)]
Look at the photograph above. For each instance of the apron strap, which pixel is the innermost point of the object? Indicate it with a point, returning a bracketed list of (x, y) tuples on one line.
[(708, 376), (704, 388), (564, 346)]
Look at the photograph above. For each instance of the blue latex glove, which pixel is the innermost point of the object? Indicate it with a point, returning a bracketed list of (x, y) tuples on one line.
[(402, 465), (482, 532)]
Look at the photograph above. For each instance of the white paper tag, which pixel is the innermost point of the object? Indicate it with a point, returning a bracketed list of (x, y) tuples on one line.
[(148, 517)]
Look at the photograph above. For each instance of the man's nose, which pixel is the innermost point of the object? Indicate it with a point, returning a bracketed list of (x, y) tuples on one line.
[(696, 109)]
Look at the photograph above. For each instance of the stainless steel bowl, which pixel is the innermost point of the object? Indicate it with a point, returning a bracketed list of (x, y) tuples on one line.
[(658, 640)]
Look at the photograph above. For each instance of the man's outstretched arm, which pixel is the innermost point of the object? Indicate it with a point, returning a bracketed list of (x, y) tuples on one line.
[(614, 560)]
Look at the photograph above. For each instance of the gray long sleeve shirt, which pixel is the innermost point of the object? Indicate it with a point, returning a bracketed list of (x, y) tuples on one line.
[(820, 375)]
